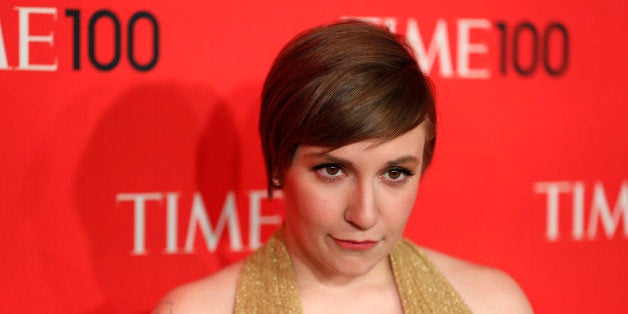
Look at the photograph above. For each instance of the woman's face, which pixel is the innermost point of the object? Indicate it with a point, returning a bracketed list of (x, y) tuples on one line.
[(347, 208)]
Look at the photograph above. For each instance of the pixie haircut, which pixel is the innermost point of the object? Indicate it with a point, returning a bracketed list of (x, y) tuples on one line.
[(339, 84)]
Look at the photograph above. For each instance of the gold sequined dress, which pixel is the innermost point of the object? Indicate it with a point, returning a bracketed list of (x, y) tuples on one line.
[(267, 283)]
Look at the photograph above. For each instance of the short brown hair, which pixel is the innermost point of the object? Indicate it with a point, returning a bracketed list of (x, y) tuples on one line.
[(339, 84)]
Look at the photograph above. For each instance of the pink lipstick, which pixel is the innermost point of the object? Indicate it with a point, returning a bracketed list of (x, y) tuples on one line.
[(355, 245)]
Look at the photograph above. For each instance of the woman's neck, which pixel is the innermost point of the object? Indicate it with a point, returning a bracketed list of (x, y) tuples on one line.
[(322, 291)]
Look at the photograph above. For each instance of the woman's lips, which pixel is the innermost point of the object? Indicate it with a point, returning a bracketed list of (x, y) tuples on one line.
[(355, 245)]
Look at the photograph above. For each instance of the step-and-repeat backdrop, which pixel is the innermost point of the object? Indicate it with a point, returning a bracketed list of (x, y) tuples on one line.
[(130, 162)]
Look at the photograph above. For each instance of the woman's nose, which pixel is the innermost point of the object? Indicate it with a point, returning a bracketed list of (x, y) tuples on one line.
[(361, 208)]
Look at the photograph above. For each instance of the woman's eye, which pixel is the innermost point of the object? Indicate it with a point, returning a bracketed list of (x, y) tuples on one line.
[(394, 174), (331, 170), (397, 174)]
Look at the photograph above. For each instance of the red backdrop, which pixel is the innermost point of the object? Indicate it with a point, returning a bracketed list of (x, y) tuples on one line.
[(130, 161)]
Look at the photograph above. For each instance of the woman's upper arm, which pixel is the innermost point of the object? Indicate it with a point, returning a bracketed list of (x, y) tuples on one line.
[(496, 292), (214, 294)]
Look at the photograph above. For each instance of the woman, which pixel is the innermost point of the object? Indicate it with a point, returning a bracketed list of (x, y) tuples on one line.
[(348, 126)]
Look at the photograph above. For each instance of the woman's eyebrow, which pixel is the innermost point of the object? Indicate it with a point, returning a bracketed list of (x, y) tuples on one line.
[(327, 156), (334, 159), (403, 159)]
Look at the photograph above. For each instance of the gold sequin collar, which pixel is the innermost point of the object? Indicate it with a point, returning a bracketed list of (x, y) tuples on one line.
[(267, 283)]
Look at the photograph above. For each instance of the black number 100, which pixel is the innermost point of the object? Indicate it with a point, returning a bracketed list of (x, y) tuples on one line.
[(107, 65), (514, 41)]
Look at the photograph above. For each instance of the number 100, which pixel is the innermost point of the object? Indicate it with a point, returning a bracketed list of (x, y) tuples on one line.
[(107, 65), (514, 41)]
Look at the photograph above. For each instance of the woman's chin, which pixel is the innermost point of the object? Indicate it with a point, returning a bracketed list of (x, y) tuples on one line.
[(354, 267)]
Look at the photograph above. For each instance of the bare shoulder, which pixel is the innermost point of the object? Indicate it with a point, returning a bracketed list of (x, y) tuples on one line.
[(213, 294), (484, 289)]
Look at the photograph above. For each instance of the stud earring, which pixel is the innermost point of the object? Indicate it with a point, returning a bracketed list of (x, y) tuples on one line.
[(276, 182)]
